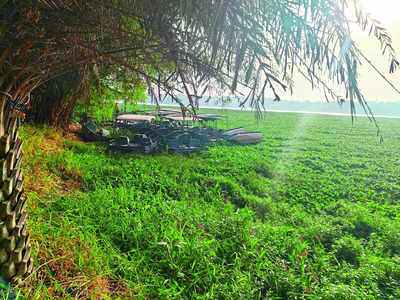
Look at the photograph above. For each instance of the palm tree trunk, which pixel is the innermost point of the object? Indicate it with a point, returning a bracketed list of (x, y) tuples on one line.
[(15, 246)]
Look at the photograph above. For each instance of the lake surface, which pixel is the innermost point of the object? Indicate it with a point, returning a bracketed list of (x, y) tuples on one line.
[(379, 109)]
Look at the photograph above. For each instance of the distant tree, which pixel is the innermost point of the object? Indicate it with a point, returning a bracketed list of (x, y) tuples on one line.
[(60, 50)]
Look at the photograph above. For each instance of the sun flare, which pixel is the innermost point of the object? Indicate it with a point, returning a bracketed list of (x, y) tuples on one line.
[(386, 11)]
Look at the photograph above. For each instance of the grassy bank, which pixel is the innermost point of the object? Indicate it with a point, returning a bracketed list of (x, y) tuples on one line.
[(313, 211)]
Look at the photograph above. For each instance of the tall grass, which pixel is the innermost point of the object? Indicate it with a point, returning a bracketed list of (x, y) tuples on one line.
[(312, 212)]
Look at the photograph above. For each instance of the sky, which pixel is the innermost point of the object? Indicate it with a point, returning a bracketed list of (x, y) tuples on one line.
[(372, 85)]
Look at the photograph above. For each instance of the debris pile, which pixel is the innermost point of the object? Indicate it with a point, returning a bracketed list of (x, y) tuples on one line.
[(171, 131)]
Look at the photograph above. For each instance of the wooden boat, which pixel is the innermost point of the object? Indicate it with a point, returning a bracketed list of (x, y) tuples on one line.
[(179, 145), (163, 112), (210, 117), (246, 138), (141, 143), (231, 132), (135, 118), (181, 118), (172, 110), (92, 133)]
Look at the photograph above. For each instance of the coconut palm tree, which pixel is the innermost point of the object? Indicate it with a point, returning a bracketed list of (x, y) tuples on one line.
[(15, 243), (246, 48), (242, 47), (18, 78)]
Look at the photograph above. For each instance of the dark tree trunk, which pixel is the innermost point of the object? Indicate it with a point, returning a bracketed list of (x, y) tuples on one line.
[(53, 103), (52, 111)]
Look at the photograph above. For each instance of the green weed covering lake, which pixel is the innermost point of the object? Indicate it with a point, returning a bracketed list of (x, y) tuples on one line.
[(313, 211)]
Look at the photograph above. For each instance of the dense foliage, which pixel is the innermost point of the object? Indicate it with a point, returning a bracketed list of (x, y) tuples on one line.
[(248, 48)]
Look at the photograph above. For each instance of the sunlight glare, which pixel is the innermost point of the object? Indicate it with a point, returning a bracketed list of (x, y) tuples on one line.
[(385, 11)]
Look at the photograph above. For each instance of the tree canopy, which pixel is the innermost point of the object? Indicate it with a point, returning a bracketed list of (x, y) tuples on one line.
[(236, 47)]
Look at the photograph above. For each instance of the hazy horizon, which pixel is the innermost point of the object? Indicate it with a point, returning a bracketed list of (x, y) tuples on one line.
[(373, 87)]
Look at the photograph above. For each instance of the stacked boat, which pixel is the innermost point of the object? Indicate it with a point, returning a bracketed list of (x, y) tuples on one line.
[(158, 130), (241, 136)]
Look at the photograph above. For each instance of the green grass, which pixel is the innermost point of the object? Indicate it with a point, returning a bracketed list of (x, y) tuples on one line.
[(313, 211)]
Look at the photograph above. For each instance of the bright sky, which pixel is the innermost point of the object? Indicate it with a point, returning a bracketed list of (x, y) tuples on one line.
[(386, 11), (373, 87)]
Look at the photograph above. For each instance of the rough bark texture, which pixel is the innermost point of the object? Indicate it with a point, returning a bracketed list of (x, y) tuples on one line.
[(53, 102), (15, 247), (53, 112)]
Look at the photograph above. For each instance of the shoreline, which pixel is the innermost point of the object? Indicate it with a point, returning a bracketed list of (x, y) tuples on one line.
[(286, 111)]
